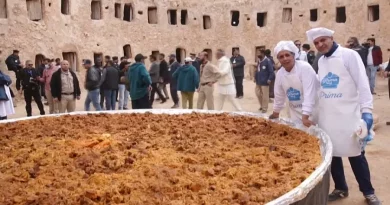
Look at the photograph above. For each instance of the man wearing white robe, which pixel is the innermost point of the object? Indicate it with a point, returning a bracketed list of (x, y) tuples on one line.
[(226, 86), (345, 98), (6, 104), (295, 81)]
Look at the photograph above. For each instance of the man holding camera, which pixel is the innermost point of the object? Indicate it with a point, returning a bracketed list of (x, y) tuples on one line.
[(29, 81)]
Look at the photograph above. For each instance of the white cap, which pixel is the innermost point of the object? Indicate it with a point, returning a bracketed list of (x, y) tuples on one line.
[(188, 59), (286, 46), (314, 33)]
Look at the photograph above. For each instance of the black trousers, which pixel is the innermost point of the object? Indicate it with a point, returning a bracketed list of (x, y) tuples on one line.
[(153, 92), (29, 94), (239, 86), (3, 118), (142, 103), (102, 98), (360, 169), (174, 95), (43, 90)]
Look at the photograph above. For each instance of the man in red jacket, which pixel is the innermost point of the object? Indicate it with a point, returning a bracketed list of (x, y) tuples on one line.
[(374, 59)]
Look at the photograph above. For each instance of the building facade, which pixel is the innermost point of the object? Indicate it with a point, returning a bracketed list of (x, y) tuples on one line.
[(84, 29)]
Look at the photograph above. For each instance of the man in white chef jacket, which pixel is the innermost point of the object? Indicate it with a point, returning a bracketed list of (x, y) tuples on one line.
[(344, 99), (296, 81)]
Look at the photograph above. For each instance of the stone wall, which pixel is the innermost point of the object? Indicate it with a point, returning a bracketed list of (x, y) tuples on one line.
[(75, 32)]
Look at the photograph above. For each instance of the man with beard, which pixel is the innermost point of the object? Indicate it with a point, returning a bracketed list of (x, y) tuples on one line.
[(173, 66), (209, 75), (164, 76), (264, 75)]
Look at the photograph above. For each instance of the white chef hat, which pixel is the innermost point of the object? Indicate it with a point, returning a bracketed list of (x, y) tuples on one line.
[(286, 46), (314, 33)]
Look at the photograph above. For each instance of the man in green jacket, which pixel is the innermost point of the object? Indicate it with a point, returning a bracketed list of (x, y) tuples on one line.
[(140, 83), (187, 82)]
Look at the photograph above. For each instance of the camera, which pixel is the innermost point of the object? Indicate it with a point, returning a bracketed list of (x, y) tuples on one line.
[(33, 81)]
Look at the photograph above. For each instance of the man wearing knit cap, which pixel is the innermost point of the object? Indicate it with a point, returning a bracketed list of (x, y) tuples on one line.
[(344, 99)]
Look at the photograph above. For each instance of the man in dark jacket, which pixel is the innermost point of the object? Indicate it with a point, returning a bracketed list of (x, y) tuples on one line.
[(29, 81), (92, 83), (65, 88), (140, 82), (374, 59), (263, 77), (173, 66), (353, 43), (13, 63), (109, 83), (115, 60), (272, 84), (154, 73), (238, 62), (164, 76)]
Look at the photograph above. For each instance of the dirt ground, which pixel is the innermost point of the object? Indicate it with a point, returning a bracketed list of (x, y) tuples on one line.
[(378, 152)]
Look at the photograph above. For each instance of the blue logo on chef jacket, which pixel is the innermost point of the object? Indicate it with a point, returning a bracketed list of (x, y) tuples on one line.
[(293, 94), (330, 81)]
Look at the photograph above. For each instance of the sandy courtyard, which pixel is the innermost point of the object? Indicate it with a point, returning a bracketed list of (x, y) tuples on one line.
[(378, 152)]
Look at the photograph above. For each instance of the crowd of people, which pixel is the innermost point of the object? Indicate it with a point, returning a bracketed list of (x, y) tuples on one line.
[(332, 89)]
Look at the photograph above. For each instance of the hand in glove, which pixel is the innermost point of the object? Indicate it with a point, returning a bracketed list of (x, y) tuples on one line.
[(367, 117), (273, 116)]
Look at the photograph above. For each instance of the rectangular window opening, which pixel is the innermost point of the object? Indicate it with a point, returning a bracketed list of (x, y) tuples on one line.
[(127, 51), (34, 10), (172, 17), (287, 15), (96, 10), (341, 16), (3, 9), (118, 10), (373, 13), (65, 7), (262, 19), (71, 57), (206, 22), (152, 15), (313, 15), (235, 18), (183, 17), (209, 54), (180, 55), (128, 13)]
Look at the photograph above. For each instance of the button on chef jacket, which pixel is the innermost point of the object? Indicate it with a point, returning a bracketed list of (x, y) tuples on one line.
[(299, 87), (344, 94)]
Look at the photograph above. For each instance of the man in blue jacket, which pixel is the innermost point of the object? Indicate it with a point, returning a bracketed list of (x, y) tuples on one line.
[(263, 77), (140, 83)]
